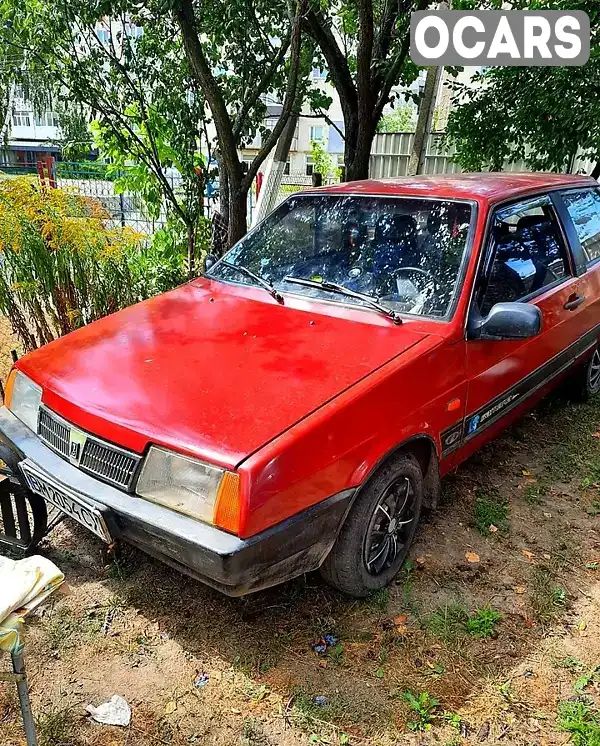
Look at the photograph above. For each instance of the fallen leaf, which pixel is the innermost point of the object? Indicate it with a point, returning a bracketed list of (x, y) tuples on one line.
[(520, 589), (493, 529), (526, 473), (527, 553), (529, 623), (421, 560), (547, 556), (595, 435), (547, 515), (471, 557), (323, 664), (400, 621), (170, 707), (582, 625)]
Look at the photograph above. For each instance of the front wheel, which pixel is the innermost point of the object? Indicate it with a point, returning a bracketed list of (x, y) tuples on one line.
[(378, 531)]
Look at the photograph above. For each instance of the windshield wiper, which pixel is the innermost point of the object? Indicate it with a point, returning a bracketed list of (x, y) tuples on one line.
[(249, 273), (333, 287)]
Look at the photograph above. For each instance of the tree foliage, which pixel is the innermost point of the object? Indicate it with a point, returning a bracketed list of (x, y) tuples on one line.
[(365, 45), (542, 115), (400, 119), (243, 54), (123, 65)]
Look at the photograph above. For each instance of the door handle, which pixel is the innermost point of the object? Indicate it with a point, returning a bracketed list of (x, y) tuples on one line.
[(574, 302)]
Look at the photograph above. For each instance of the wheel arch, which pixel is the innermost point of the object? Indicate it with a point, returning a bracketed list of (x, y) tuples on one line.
[(423, 448)]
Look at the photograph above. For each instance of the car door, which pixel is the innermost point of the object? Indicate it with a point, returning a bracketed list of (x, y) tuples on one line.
[(582, 221), (526, 259)]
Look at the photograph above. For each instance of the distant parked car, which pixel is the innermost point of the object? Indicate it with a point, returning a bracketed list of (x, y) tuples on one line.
[(295, 407)]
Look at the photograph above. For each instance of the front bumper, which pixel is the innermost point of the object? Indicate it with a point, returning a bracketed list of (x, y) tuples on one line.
[(232, 565)]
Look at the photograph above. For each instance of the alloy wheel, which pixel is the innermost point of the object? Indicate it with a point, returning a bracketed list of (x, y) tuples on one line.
[(594, 373), (390, 527)]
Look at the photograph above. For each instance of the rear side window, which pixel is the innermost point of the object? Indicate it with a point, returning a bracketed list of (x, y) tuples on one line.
[(584, 209), (528, 253)]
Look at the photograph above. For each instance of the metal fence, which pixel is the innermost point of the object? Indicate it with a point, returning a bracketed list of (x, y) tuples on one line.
[(90, 179), (390, 154)]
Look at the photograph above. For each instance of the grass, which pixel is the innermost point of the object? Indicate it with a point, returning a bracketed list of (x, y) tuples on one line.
[(483, 622), (491, 510), (546, 598), (60, 628), (453, 621), (581, 721), (54, 728)]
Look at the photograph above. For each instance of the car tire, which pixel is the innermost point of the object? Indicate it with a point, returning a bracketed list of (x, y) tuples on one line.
[(376, 536), (585, 382)]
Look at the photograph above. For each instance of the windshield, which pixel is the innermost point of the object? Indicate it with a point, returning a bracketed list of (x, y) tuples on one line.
[(405, 253)]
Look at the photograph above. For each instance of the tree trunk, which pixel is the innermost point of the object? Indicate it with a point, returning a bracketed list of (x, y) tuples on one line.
[(358, 167), (191, 250), (238, 207), (426, 107)]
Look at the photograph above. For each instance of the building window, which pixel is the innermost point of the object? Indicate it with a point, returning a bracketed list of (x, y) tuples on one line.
[(47, 119), (21, 119), (319, 74), (286, 168), (316, 132), (103, 35), (310, 167)]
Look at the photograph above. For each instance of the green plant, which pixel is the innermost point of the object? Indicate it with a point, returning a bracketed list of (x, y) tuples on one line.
[(491, 510), (423, 705), (546, 598), (483, 622), (54, 728), (448, 622), (581, 721), (323, 161), (62, 264)]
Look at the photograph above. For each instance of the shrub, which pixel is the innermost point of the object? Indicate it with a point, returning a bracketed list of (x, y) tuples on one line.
[(62, 264)]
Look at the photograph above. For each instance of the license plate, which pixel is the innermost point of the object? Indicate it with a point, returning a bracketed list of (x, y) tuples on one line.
[(65, 500)]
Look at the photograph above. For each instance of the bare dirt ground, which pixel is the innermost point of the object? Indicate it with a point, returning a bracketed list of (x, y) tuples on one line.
[(491, 633)]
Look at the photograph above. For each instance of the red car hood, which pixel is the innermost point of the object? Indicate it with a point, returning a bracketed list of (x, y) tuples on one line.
[(212, 370)]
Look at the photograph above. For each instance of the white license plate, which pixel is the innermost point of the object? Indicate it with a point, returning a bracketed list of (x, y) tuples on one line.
[(65, 500)]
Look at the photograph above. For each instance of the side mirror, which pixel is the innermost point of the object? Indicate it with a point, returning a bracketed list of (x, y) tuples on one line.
[(209, 261), (506, 321)]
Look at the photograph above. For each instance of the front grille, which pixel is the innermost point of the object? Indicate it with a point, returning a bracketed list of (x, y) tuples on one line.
[(98, 458), (54, 432), (114, 466)]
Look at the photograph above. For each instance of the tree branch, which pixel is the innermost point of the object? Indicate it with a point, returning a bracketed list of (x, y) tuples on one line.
[(290, 94), (259, 88)]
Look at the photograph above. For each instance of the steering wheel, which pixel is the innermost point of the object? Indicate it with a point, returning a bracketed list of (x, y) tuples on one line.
[(426, 273)]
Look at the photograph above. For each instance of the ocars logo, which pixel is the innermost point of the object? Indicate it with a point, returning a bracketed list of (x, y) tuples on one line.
[(492, 37)]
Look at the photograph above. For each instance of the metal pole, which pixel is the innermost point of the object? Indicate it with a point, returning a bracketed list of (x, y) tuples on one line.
[(19, 668)]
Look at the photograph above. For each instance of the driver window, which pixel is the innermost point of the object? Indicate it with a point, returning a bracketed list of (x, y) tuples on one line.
[(529, 254)]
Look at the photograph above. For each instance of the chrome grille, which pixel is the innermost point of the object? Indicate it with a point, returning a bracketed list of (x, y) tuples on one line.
[(98, 458), (115, 466), (54, 432)]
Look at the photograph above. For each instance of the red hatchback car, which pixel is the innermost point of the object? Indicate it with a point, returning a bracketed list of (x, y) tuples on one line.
[(295, 407)]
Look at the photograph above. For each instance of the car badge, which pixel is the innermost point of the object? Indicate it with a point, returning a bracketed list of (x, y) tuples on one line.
[(77, 441)]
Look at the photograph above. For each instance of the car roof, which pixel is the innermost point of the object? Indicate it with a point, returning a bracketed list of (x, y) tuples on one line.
[(481, 187)]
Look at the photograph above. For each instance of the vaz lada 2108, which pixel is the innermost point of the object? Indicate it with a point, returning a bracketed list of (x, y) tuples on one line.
[(295, 407)]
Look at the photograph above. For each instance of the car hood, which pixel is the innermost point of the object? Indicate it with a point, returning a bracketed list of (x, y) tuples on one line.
[(210, 369)]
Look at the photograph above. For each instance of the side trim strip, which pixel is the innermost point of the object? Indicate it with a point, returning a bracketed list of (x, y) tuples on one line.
[(476, 422)]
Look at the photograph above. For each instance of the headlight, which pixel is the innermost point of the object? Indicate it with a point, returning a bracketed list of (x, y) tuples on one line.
[(191, 487), (23, 398)]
